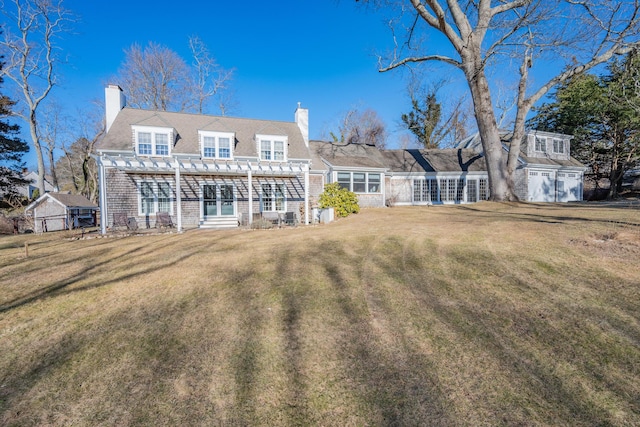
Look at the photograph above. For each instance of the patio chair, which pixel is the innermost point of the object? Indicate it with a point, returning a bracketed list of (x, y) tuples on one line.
[(290, 218), (163, 219), (120, 220)]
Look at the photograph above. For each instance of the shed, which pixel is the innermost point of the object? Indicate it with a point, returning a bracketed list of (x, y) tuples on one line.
[(60, 211)]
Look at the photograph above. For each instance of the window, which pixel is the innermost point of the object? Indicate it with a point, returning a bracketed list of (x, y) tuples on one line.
[(460, 191), (152, 141), (155, 197), (272, 147), (541, 144), (344, 180), (425, 190), (359, 182), (472, 190), (558, 146), (273, 198), (217, 145), (484, 189)]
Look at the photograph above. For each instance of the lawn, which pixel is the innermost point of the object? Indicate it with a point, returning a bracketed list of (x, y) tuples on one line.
[(484, 314)]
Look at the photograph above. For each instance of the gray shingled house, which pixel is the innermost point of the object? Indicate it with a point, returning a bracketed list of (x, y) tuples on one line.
[(546, 171), (204, 171)]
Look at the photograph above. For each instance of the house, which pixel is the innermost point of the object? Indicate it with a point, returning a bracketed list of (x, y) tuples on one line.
[(28, 189), (546, 172), (59, 211), (204, 171), (359, 168), (435, 176)]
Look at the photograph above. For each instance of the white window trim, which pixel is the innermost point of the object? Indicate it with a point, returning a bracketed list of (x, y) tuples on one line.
[(153, 131), (217, 135), (154, 183), (272, 138), (543, 139), (556, 145), (273, 184), (366, 181)]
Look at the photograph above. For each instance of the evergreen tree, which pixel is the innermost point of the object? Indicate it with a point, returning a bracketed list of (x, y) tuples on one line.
[(12, 148)]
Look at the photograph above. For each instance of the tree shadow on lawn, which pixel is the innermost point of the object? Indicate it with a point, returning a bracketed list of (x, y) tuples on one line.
[(544, 216), (542, 394), (126, 261), (391, 391)]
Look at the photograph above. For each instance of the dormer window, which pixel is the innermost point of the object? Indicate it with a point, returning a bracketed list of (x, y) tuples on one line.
[(272, 148), (541, 144), (152, 141), (216, 145), (558, 146)]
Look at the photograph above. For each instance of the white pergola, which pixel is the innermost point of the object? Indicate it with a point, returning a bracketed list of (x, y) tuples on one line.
[(178, 164)]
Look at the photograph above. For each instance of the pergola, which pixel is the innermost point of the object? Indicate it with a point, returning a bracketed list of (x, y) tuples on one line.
[(188, 164)]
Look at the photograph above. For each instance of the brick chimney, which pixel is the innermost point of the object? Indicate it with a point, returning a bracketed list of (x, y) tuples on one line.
[(302, 120), (114, 102)]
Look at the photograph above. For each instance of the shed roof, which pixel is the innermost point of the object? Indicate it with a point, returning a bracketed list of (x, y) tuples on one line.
[(67, 200)]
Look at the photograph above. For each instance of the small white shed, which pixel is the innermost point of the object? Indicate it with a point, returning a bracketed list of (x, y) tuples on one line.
[(59, 211)]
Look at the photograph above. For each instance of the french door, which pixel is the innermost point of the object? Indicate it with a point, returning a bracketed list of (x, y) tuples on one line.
[(217, 200)]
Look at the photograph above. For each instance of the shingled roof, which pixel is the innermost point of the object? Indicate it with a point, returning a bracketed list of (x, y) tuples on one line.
[(434, 160), (187, 125), (347, 155)]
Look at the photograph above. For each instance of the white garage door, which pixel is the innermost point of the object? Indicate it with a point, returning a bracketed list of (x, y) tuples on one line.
[(569, 187), (542, 186)]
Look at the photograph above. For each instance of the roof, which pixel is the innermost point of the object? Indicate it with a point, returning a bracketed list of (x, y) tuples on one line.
[(187, 125), (473, 142), (346, 155), (67, 200), (434, 160)]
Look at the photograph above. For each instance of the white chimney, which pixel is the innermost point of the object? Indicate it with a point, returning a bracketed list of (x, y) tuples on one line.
[(114, 102), (302, 119)]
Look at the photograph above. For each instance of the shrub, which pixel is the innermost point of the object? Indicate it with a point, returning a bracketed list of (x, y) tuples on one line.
[(343, 201)]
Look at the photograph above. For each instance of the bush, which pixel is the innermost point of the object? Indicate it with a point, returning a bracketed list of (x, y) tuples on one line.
[(343, 201)]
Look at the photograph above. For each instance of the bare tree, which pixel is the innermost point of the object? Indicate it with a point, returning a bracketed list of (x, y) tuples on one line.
[(156, 78), (77, 167), (361, 128), (569, 35), (52, 128), (210, 78), (29, 47)]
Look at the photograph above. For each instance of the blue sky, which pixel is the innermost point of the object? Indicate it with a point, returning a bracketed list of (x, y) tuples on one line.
[(319, 53)]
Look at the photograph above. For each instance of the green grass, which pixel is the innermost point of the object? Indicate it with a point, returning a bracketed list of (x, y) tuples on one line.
[(486, 314)]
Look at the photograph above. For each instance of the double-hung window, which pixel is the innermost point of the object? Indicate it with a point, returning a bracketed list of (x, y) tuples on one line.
[(154, 197), (216, 145), (272, 148), (151, 141), (359, 182), (541, 144), (273, 197), (558, 146)]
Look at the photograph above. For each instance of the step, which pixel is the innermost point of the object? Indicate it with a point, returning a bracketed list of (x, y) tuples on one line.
[(219, 223)]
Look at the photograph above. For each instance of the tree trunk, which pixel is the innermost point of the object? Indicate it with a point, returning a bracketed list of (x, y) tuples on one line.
[(33, 129), (495, 156)]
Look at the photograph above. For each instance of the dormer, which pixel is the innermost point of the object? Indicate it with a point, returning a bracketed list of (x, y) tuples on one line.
[(152, 141), (548, 145), (216, 145), (272, 148)]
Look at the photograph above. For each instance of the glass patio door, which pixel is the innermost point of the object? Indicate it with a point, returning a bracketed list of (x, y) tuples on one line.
[(217, 200)]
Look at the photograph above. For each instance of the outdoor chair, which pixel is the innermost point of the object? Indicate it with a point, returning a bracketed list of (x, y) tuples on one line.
[(163, 219), (290, 218), (120, 220)]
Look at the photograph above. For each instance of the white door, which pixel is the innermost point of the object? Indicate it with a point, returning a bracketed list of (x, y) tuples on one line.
[(542, 186)]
